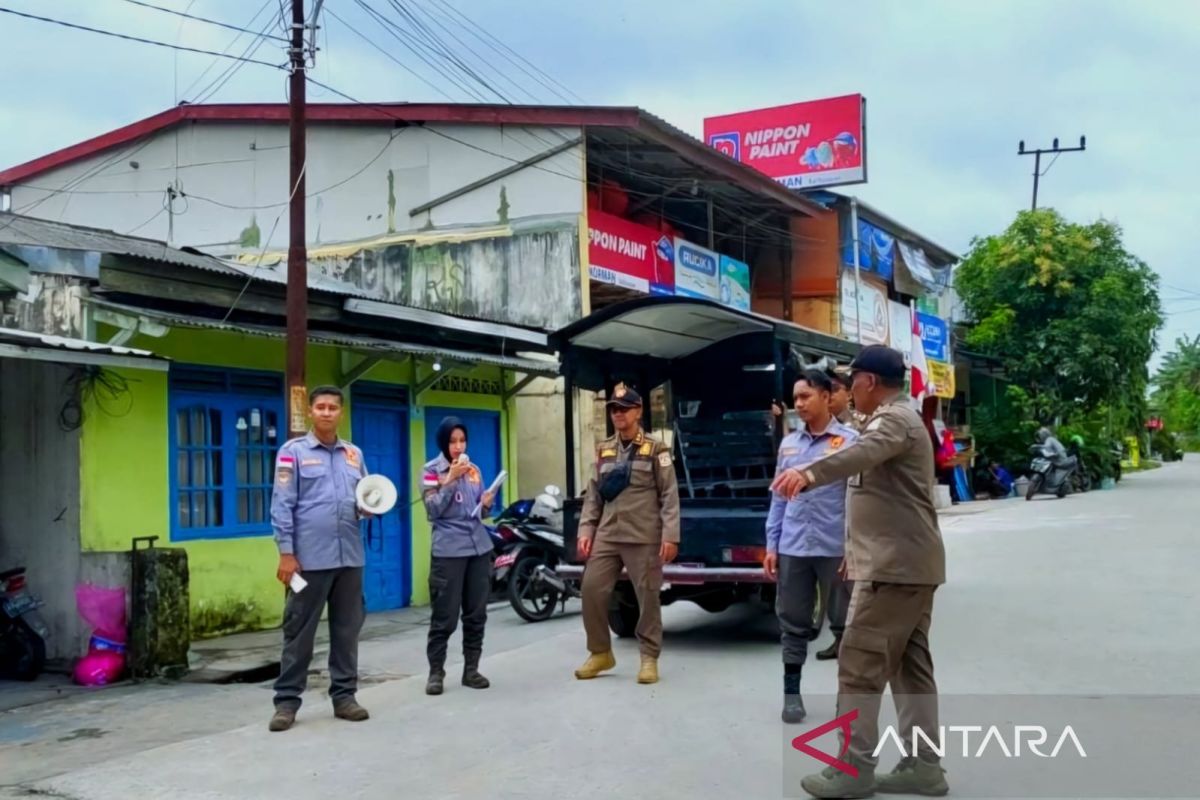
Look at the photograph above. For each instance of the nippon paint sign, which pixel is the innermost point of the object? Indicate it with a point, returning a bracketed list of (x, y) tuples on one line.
[(802, 145), (632, 256)]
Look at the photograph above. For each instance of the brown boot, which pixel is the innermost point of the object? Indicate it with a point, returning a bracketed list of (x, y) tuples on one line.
[(283, 719), (831, 652), (649, 671), (596, 663), (351, 710)]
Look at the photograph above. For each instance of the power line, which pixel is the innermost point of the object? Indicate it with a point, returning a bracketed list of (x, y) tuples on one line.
[(138, 39), (508, 53), (185, 15), (219, 82), (228, 47), (400, 63)]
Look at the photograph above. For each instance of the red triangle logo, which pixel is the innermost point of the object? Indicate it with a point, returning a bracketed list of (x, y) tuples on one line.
[(842, 723)]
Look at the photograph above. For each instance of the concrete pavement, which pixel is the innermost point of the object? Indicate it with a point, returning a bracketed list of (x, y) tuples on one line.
[(1094, 593)]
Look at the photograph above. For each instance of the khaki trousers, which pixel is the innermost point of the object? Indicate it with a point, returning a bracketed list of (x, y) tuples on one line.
[(887, 641), (600, 576)]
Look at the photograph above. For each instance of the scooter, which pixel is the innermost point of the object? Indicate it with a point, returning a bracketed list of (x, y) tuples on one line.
[(23, 634), (535, 529), (1047, 477)]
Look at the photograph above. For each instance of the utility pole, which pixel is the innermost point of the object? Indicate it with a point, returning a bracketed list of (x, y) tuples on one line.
[(297, 260), (1037, 159)]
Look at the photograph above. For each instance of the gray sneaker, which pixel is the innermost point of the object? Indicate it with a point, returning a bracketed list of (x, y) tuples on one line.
[(914, 776)]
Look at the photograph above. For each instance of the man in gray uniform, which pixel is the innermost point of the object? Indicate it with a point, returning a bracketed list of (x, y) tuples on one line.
[(315, 515)]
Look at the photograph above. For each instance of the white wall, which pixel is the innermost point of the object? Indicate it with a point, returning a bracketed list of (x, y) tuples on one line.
[(39, 495), (245, 165)]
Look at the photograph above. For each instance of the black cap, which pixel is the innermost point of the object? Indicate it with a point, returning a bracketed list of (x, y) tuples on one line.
[(624, 397), (880, 360)]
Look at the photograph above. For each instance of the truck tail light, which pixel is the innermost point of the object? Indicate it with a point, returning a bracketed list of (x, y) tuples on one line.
[(743, 555)]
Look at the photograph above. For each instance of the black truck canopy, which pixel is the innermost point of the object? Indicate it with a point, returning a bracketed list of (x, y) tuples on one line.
[(729, 360)]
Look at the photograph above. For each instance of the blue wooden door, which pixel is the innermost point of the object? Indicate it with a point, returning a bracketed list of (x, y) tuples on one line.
[(483, 441), (380, 421)]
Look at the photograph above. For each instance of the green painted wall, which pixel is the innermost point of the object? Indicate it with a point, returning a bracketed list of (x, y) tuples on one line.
[(125, 483)]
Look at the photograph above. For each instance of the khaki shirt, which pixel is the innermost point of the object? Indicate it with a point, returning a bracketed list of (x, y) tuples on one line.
[(647, 512), (893, 534)]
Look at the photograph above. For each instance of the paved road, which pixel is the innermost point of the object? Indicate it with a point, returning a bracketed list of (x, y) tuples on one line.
[(1095, 593)]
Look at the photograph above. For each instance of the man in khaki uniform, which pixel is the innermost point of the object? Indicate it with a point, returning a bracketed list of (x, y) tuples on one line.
[(630, 518), (895, 556)]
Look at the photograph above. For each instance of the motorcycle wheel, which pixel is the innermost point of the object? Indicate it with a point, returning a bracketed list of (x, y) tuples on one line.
[(1035, 486), (26, 653), (533, 601), (1062, 490)]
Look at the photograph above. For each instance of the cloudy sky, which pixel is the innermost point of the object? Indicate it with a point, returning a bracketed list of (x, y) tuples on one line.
[(951, 88)]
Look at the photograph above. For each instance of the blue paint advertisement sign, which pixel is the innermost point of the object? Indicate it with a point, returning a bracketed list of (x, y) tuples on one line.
[(735, 283), (696, 271), (876, 250), (935, 335)]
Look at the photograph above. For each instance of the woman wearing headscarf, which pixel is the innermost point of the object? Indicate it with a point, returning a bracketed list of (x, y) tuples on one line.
[(461, 574)]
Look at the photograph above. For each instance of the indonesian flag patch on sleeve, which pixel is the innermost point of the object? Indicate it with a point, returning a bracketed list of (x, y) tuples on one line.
[(430, 481)]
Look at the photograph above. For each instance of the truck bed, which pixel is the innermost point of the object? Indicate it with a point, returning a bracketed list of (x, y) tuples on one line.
[(713, 531)]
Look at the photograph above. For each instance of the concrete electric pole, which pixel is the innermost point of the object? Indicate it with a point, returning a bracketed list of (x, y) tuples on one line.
[(1037, 159)]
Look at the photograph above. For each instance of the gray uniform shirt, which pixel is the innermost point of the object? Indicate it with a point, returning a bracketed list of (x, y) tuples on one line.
[(313, 508), (457, 532)]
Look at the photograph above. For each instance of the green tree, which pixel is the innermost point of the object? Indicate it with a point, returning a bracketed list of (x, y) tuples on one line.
[(1069, 311), (1177, 389)]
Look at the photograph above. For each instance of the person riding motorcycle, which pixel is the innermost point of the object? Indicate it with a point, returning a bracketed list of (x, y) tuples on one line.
[(1053, 449)]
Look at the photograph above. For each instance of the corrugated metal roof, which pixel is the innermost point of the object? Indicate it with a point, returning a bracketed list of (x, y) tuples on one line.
[(25, 344), (367, 343), (19, 230)]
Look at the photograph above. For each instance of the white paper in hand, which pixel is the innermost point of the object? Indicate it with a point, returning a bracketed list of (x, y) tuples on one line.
[(496, 484), (297, 583)]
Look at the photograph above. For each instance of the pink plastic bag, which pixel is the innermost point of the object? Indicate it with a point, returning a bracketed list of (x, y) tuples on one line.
[(103, 609), (99, 668)]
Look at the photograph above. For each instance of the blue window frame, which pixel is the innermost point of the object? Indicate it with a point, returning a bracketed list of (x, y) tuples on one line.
[(225, 428)]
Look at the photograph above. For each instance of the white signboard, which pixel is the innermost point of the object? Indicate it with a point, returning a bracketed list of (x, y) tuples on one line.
[(875, 312), (901, 337), (697, 271)]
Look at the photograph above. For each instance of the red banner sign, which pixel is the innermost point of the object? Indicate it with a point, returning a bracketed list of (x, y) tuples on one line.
[(819, 143), (626, 254)]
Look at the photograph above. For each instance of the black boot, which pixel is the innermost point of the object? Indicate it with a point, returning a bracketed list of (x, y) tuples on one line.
[(831, 652), (471, 677), (436, 678), (793, 704)]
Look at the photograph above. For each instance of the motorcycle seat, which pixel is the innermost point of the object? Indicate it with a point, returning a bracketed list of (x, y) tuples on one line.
[(12, 573)]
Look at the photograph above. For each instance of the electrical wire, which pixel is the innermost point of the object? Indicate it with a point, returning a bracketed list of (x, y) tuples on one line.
[(508, 54), (400, 63), (208, 92), (92, 385), (185, 15), (138, 39)]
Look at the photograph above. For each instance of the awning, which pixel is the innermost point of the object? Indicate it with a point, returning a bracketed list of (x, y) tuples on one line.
[(65, 350), (669, 328), (547, 367)]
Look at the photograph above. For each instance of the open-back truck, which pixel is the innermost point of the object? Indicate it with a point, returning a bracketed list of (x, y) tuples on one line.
[(719, 369)]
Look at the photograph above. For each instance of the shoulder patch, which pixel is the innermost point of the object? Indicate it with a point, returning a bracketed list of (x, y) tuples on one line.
[(646, 449), (664, 458), (874, 424)]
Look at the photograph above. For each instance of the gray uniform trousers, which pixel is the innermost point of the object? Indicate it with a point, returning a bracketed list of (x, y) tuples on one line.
[(342, 589), (796, 600)]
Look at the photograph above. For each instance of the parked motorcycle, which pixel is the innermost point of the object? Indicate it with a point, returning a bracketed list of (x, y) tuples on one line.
[(22, 632), (1047, 477), (533, 528)]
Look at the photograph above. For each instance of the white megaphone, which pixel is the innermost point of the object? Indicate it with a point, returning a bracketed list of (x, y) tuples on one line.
[(376, 494)]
